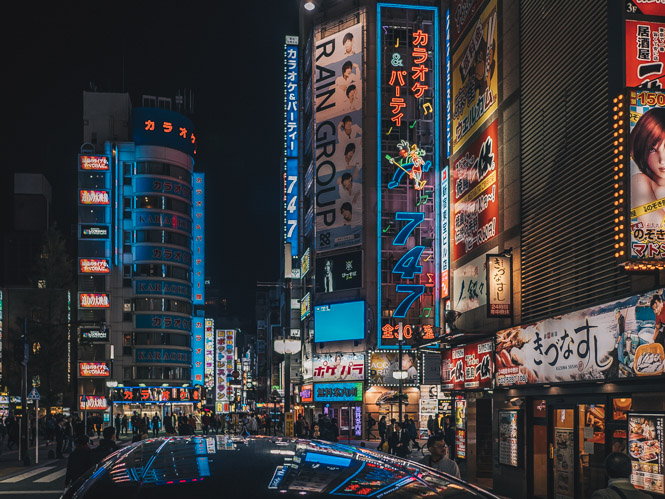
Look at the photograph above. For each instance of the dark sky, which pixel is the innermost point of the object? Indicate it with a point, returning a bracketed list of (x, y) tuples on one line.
[(230, 54)]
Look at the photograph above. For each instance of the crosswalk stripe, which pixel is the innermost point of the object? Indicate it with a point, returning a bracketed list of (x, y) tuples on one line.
[(52, 477), (27, 474)]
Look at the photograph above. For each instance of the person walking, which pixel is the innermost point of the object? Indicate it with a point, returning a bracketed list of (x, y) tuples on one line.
[(106, 446), (413, 432), (79, 461), (155, 425), (618, 469), (438, 456), (59, 439), (449, 434), (401, 439), (370, 424), (118, 425), (382, 432), (390, 430)]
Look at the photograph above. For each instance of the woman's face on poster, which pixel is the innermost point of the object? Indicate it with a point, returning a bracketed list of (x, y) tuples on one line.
[(656, 160)]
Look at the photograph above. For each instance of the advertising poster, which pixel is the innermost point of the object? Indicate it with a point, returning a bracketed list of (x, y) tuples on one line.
[(94, 369), (647, 196), (470, 284), (452, 369), (508, 447), (338, 367), (93, 403), (94, 300), (408, 180), (645, 448), (645, 52), (564, 463), (338, 89), (476, 205), (382, 365), (646, 7), (338, 272), (462, 13), (474, 70), (607, 342)]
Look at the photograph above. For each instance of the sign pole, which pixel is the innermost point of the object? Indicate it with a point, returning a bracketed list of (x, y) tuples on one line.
[(37, 431)]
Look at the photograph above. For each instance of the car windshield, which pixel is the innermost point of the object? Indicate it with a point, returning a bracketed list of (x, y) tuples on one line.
[(232, 467)]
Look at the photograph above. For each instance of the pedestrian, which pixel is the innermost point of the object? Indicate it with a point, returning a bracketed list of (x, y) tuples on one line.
[(68, 435), (438, 456), (79, 461), (401, 440), (449, 434), (390, 429), (125, 424), (118, 424), (205, 423), (333, 430), (430, 425), (59, 439), (316, 431), (370, 424), (618, 469), (155, 425), (106, 446), (413, 432), (382, 432)]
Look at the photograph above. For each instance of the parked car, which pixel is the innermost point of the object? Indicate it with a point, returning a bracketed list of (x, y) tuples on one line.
[(257, 467)]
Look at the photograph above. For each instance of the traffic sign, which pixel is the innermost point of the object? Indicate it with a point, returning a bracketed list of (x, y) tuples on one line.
[(84, 399), (33, 395)]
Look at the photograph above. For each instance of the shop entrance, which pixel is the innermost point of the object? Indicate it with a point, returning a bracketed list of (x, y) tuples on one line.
[(577, 451)]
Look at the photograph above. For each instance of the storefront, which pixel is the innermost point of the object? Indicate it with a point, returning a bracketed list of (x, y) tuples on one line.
[(163, 401), (467, 370), (567, 391)]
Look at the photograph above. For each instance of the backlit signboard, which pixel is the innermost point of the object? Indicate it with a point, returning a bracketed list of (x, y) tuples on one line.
[(383, 364), (198, 350), (162, 355), (338, 367), (499, 285), (475, 193), (94, 197), (647, 209), (469, 366), (146, 218), (132, 394), (94, 163), (445, 230), (93, 403), (305, 307), (94, 333), (475, 76), (151, 185), (198, 239), (94, 231), (461, 15), (209, 353), (409, 108), (339, 272), (604, 343), (94, 300), (162, 321), (646, 438), (163, 127), (339, 321), (94, 369), (94, 266), (159, 287), (224, 365), (645, 53), (305, 263), (338, 83), (161, 253), (291, 104), (338, 392), (470, 284), (307, 393)]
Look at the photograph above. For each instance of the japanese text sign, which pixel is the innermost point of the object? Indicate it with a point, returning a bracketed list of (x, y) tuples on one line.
[(94, 369), (499, 286), (338, 392), (94, 163), (162, 127), (291, 144), (338, 367), (94, 300), (94, 266), (468, 367), (645, 53)]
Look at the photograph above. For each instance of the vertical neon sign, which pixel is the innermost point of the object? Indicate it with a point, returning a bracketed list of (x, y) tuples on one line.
[(198, 238), (209, 370), (291, 144), (409, 185)]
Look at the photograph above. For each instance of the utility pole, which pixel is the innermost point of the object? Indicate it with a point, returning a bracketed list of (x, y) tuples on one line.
[(24, 402)]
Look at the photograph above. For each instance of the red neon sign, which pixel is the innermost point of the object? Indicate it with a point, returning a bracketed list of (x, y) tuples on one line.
[(94, 197), (94, 300), (94, 266), (98, 163)]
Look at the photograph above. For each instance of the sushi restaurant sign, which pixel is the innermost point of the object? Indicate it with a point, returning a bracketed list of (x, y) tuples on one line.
[(606, 342)]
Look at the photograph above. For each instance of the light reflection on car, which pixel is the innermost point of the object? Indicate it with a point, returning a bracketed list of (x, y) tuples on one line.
[(246, 467)]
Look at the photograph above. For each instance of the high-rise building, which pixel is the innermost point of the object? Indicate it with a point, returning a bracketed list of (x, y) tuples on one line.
[(140, 257)]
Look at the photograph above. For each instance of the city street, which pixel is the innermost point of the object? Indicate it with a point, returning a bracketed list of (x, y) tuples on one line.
[(46, 479)]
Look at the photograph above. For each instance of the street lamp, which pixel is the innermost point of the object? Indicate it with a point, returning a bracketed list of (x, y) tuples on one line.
[(309, 5), (286, 347)]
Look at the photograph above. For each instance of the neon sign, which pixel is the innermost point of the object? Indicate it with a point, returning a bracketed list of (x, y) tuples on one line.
[(409, 186), (94, 197), (198, 240), (94, 300), (291, 144), (90, 369), (94, 266), (95, 163), (93, 403), (209, 353), (162, 127)]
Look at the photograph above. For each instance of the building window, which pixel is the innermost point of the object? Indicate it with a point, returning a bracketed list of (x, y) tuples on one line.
[(127, 317), (126, 237), (127, 305), (127, 373), (127, 339), (126, 271)]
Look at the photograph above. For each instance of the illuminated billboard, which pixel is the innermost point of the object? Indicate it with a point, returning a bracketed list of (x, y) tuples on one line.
[(469, 366), (209, 353), (94, 266), (93, 403), (94, 163), (338, 392), (338, 367), (475, 193), (198, 351), (409, 115), (305, 306), (645, 47), (382, 365), (94, 333), (94, 300), (198, 239), (445, 231), (94, 197), (647, 198), (163, 127), (339, 272), (94, 231), (291, 144), (338, 83), (475, 76), (94, 369), (224, 365), (339, 321)]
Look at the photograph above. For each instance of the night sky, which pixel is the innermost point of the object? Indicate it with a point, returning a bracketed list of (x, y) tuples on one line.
[(230, 54)]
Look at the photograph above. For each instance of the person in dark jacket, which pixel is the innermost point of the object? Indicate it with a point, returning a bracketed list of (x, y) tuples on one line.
[(618, 469), (449, 435), (79, 461), (401, 440), (59, 439), (382, 431), (106, 445)]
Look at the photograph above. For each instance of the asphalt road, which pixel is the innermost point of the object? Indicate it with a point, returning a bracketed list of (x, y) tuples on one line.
[(43, 480)]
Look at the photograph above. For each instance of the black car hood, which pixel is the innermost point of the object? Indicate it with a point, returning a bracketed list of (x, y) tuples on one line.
[(229, 467)]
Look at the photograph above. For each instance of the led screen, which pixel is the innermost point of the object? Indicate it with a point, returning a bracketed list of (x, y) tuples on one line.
[(339, 321)]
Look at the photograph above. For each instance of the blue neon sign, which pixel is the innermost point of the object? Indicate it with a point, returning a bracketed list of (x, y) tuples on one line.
[(291, 144)]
